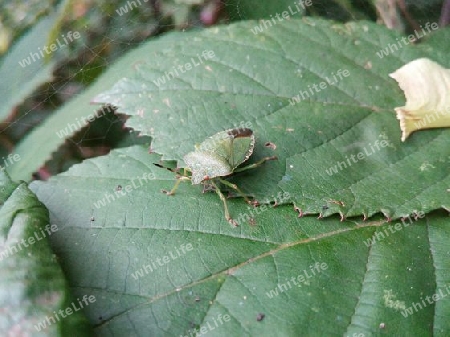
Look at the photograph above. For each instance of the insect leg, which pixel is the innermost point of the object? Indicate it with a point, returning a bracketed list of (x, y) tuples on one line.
[(225, 206), (177, 183), (254, 165), (234, 187)]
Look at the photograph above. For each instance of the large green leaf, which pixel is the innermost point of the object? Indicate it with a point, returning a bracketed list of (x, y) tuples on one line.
[(33, 290), (253, 280), (344, 107), (24, 68)]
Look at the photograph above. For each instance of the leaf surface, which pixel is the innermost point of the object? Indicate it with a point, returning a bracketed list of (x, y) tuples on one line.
[(320, 92), (302, 276), (33, 289)]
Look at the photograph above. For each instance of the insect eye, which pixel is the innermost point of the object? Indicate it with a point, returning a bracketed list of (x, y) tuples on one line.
[(206, 178)]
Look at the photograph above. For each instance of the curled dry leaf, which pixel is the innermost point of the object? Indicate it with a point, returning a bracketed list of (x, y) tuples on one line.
[(426, 85)]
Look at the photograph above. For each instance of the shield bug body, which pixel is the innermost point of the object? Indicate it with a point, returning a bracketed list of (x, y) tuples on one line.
[(220, 156)]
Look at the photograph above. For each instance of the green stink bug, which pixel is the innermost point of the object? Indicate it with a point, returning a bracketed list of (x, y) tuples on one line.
[(219, 156)]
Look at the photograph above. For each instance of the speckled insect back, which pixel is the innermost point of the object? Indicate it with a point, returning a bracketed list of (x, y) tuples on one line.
[(219, 156)]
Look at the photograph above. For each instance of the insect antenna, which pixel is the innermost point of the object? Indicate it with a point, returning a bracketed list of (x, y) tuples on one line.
[(175, 170)]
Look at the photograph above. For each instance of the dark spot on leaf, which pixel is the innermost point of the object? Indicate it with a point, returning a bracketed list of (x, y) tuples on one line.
[(260, 317), (271, 145)]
